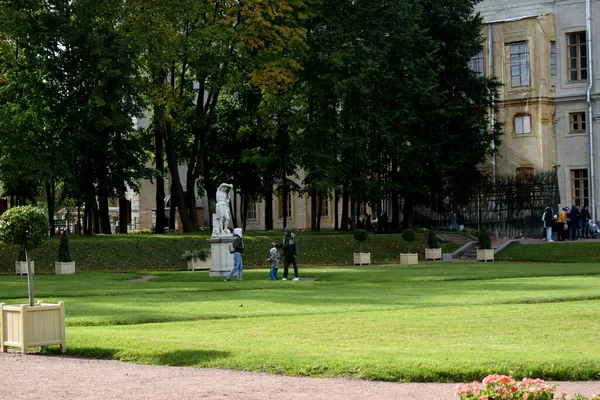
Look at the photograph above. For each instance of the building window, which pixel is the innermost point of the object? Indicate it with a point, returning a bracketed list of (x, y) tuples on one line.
[(579, 187), (289, 206), (522, 124), (577, 122), (476, 64), (251, 211), (324, 207), (553, 63), (519, 64), (576, 57), (525, 175)]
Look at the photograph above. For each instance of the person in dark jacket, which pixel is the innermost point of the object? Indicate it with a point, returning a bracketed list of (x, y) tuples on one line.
[(238, 250), (574, 218), (290, 248), (585, 221)]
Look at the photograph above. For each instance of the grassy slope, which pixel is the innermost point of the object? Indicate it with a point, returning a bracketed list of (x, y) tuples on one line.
[(431, 322), (570, 252), (121, 253)]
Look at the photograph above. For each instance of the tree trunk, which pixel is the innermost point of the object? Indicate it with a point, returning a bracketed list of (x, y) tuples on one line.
[(159, 226), (336, 199), (104, 215), (345, 200), (313, 208), (50, 201), (407, 214), (177, 189), (123, 215), (172, 210), (284, 204), (319, 211), (95, 217), (269, 211), (29, 278)]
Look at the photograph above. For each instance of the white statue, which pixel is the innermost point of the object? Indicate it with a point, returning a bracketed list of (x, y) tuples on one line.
[(222, 216)]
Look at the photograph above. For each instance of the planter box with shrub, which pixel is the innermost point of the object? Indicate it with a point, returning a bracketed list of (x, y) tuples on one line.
[(25, 326), (409, 258)]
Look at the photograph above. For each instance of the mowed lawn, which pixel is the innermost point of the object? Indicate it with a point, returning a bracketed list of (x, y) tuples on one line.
[(429, 322)]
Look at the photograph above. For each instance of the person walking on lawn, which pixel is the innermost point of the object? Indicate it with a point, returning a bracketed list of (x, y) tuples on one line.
[(290, 248), (238, 250)]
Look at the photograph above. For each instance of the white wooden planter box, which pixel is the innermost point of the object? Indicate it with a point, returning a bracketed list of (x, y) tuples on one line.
[(194, 265), (24, 326), (485, 255), (21, 267), (62, 268), (362, 258), (433, 254), (409, 258)]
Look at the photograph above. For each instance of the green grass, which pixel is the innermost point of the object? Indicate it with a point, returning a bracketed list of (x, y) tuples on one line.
[(430, 322), (570, 252), (122, 253)]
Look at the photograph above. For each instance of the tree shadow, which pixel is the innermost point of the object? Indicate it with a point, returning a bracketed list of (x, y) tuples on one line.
[(187, 358)]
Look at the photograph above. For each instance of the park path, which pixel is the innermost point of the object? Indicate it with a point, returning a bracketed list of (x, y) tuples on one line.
[(36, 376)]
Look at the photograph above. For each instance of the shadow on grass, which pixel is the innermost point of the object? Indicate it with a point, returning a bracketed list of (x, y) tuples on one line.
[(188, 358)]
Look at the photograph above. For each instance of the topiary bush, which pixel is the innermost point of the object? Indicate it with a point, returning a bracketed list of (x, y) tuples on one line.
[(64, 254), (408, 235), (432, 241), (27, 227), (360, 235), (484, 238)]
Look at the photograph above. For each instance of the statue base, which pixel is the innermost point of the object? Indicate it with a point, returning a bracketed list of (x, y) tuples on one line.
[(221, 261)]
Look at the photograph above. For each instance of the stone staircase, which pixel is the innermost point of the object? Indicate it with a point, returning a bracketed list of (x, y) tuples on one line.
[(468, 249)]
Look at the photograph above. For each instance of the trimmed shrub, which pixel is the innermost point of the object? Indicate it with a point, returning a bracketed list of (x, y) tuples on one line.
[(484, 238), (432, 241), (64, 254), (360, 235)]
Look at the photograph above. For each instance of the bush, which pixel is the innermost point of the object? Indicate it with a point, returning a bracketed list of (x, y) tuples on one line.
[(484, 238), (201, 254), (432, 241), (27, 227), (140, 232), (360, 235), (408, 235), (64, 255)]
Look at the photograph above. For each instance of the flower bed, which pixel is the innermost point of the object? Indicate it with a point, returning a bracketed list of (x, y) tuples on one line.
[(496, 387)]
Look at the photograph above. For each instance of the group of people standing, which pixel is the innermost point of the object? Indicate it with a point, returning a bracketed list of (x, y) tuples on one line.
[(289, 250), (569, 224)]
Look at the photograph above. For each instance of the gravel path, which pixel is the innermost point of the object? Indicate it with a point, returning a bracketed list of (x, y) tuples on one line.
[(37, 376)]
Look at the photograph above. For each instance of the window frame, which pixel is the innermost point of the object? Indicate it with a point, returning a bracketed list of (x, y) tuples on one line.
[(553, 62), (583, 197), (280, 207), (476, 62), (582, 122), (519, 62), (523, 133), (580, 67), (251, 211)]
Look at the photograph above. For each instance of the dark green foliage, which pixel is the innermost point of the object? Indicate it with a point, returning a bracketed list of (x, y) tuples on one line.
[(64, 255), (21, 257), (432, 241), (25, 226), (360, 235), (201, 254), (408, 235), (484, 238)]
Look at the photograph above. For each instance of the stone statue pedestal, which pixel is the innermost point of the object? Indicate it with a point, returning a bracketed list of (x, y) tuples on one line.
[(220, 259)]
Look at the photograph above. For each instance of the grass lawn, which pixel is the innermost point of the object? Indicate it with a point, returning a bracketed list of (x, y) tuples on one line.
[(429, 322)]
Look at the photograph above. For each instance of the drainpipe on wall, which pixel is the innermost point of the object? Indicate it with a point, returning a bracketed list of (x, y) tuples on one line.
[(492, 116), (588, 33)]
